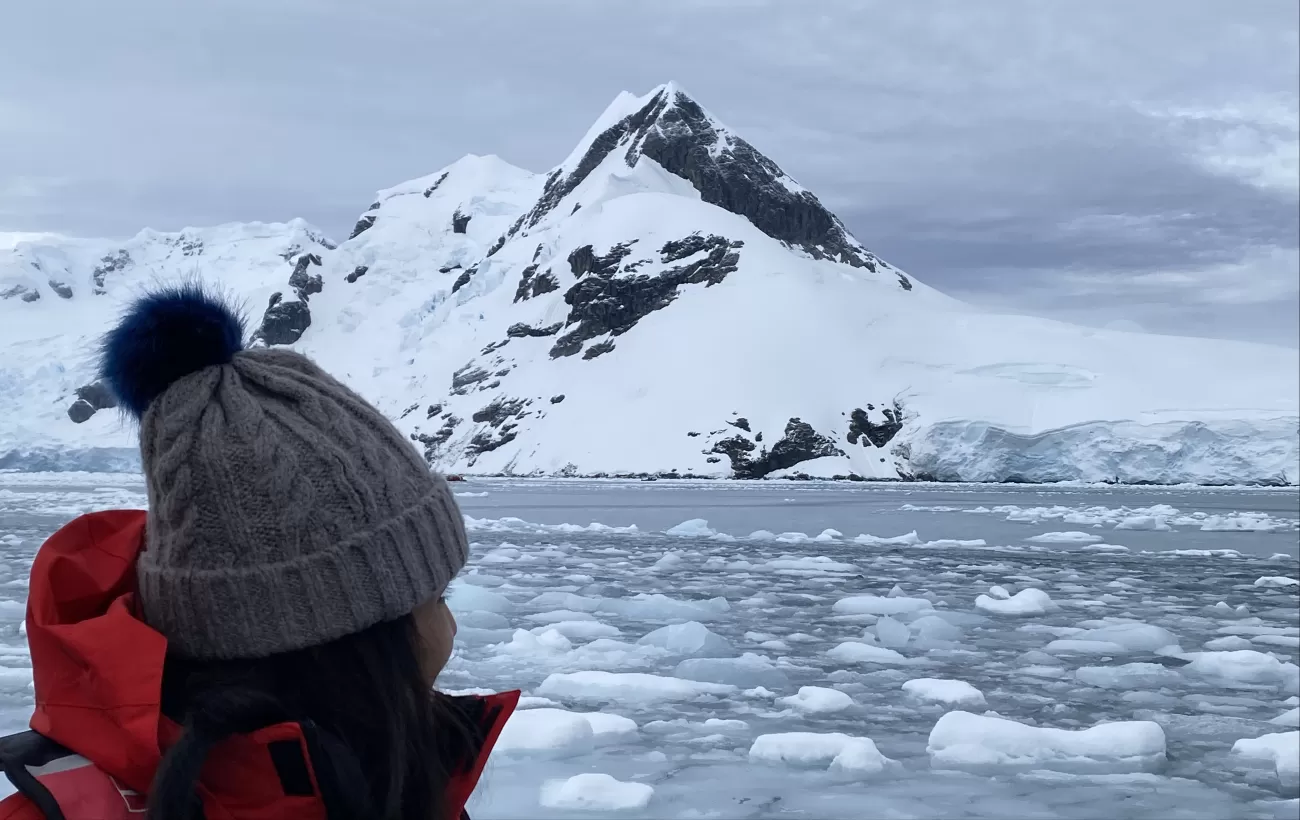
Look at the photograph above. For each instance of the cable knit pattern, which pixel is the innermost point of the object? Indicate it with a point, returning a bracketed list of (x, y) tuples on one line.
[(284, 511)]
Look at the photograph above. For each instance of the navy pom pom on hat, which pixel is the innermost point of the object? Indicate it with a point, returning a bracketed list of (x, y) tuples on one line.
[(284, 510)]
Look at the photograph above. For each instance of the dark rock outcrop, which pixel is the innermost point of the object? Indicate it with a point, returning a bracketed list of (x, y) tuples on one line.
[(21, 292), (357, 272), (520, 330), (112, 263), (62, 289), (800, 443), (598, 349), (741, 423), (463, 380), (557, 399), (366, 222), (303, 283), (80, 411), (499, 411), (441, 179), (459, 221), (434, 409), (433, 443), (876, 434), (463, 279), (602, 303), (532, 284), (283, 323), (98, 394)]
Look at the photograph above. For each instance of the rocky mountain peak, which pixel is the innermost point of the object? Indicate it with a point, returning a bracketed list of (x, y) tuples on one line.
[(671, 129)]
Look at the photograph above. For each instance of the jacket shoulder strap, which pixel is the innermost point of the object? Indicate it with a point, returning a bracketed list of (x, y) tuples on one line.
[(53, 777), (24, 757)]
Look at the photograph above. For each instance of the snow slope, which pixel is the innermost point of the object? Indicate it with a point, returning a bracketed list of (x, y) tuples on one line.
[(666, 300)]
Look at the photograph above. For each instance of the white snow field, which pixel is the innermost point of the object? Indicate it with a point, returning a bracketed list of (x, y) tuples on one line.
[(569, 323), (722, 675)]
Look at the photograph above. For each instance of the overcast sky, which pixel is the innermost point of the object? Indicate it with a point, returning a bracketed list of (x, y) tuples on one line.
[(1127, 163)]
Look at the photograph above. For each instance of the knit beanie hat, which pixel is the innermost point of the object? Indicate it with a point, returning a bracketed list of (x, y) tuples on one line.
[(284, 510)]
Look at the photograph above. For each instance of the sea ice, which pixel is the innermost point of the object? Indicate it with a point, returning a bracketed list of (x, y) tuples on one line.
[(858, 652), (1068, 537), (1289, 718), (938, 690), (619, 687), (745, 672), (963, 740), (843, 753), (819, 700), (876, 605), (1280, 748), (1128, 676), (694, 528), (1243, 666), (1028, 601), (1276, 582), (691, 638), (594, 791)]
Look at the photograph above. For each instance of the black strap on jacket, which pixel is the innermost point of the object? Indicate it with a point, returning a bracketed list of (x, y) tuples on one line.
[(22, 752)]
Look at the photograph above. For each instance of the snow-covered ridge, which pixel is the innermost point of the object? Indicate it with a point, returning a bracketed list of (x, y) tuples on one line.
[(667, 301)]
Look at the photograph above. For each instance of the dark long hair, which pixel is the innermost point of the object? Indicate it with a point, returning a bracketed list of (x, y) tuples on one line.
[(391, 744)]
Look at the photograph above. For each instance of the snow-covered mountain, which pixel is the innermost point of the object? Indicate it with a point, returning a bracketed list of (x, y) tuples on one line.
[(666, 300)]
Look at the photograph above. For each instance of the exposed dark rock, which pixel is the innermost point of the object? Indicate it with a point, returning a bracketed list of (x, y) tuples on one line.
[(303, 284), (800, 443), (98, 395), (598, 349), (741, 423), (429, 191), (498, 245), (499, 411), (577, 206), (434, 409), (505, 371), (64, 291), (713, 459), (408, 411), (676, 250), (357, 272), (693, 435), (557, 399), (284, 322), (111, 263), (532, 285), (584, 260), (190, 245), (520, 330), (861, 427), (449, 268), (462, 280), (365, 223), (22, 292), (433, 444), (601, 303), (80, 411), (758, 438), (460, 221), (486, 441), (492, 347), (492, 385), (465, 378)]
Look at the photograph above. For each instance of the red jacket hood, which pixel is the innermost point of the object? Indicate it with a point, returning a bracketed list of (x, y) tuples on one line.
[(98, 671)]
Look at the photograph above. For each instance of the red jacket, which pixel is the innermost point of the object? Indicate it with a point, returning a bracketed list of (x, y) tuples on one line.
[(98, 679)]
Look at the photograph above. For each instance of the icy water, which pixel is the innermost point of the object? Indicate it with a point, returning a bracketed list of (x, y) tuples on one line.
[(939, 651)]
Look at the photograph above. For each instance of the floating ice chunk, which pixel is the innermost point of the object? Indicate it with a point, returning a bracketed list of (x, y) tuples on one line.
[(1280, 748), (939, 690), (545, 732), (896, 592), (564, 600), (1133, 636), (962, 740), (1244, 522), (1068, 537), (669, 560), (1128, 676), (1290, 718), (746, 672), (818, 700), (557, 615), (829, 535), (1106, 547), (1276, 582), (1289, 641), (876, 605), (1028, 601), (1245, 666), (691, 638), (999, 592), (482, 620), (659, 607), (892, 633), (951, 543), (1228, 642), (593, 791), (935, 628), (470, 598), (843, 753), (609, 728), (582, 630), (523, 643), (858, 652), (624, 687), (911, 539), (808, 565), (694, 528), (1153, 523)]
